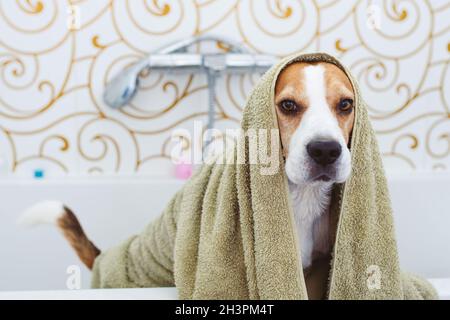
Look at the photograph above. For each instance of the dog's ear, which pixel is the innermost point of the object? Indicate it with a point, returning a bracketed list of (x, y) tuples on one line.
[(350, 136), (349, 144), (283, 150)]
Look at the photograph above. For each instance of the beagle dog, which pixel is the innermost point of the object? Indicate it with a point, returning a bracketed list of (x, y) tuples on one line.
[(314, 105), (315, 114)]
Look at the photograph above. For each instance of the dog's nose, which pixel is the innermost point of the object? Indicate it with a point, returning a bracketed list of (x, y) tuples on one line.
[(324, 152)]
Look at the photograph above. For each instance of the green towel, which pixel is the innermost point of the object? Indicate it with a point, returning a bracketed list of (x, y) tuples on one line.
[(229, 233)]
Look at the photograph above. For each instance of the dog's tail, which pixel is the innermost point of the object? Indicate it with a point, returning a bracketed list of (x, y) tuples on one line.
[(56, 213)]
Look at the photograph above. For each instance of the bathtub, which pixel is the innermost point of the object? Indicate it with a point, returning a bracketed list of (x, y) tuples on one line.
[(442, 286), (112, 209)]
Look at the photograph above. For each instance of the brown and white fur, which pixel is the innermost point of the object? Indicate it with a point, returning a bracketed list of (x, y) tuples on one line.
[(313, 103)]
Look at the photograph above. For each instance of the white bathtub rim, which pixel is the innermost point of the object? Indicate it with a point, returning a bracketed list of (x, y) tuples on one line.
[(441, 285)]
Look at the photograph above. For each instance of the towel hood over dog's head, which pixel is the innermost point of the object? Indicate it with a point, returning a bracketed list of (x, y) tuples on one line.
[(229, 233)]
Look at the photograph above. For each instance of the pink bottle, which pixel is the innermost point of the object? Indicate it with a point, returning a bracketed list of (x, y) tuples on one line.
[(183, 169)]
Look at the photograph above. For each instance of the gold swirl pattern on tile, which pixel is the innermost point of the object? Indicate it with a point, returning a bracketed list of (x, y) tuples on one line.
[(52, 78)]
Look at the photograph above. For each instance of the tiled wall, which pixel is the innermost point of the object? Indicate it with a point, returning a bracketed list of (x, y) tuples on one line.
[(52, 117)]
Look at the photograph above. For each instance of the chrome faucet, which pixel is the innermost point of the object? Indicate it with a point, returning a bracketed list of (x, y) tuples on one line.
[(175, 58)]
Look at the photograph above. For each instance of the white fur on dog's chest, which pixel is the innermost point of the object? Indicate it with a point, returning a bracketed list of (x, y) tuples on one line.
[(310, 205)]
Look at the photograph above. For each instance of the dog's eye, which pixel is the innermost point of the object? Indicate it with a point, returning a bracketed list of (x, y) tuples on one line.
[(345, 105), (288, 106)]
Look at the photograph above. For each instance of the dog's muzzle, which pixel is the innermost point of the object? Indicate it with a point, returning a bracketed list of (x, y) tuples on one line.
[(324, 154)]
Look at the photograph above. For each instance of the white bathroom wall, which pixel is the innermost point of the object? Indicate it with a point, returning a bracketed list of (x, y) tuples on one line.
[(55, 57)]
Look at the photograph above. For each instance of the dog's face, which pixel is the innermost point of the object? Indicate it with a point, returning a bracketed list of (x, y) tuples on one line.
[(315, 109)]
